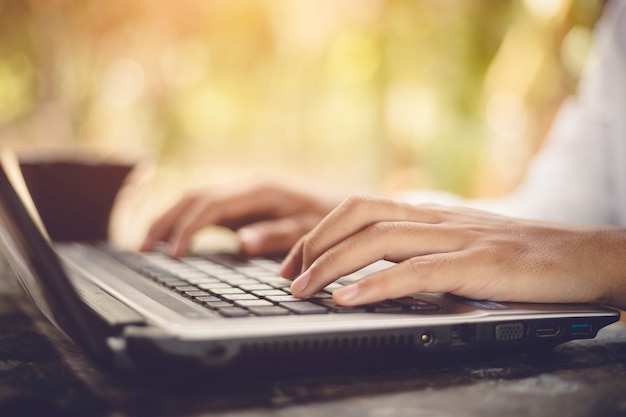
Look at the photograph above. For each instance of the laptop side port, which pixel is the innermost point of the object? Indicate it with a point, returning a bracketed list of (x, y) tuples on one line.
[(548, 330), (580, 329), (427, 338), (510, 332), (462, 335)]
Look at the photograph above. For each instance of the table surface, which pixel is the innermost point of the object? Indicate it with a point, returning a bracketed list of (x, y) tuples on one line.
[(43, 373)]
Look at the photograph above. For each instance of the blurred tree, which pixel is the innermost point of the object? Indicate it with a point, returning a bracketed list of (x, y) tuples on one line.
[(374, 94)]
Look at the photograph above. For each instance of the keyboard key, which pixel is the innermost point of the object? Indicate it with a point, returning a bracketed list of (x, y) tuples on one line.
[(385, 307), (282, 298), (215, 305), (415, 304), (321, 295), (214, 285), (265, 293), (207, 299), (330, 304), (268, 311), (173, 282), (237, 282), (231, 276), (226, 290), (276, 282), (304, 307), (250, 270), (233, 312), (267, 264), (203, 280), (192, 274), (185, 288), (235, 297), (197, 293), (253, 303), (255, 287)]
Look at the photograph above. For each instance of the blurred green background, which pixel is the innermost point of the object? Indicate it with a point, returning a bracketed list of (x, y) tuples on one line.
[(364, 94)]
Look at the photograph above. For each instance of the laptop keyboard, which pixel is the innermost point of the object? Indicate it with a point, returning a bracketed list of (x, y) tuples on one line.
[(238, 287)]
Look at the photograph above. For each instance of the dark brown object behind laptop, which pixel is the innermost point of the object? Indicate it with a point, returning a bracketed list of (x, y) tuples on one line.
[(74, 197)]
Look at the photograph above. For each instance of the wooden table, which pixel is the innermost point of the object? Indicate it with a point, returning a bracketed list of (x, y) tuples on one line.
[(42, 373)]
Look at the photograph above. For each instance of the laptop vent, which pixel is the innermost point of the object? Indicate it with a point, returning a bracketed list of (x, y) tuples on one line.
[(330, 344)]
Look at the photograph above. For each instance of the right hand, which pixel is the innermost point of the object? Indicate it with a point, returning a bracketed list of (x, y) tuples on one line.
[(268, 218)]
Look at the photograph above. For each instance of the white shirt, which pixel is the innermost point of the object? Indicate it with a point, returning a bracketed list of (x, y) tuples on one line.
[(579, 176)]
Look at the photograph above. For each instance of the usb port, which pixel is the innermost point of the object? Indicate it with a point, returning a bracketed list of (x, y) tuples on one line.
[(580, 329), (548, 331)]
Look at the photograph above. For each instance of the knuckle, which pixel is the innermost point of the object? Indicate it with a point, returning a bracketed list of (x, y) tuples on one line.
[(377, 231), (354, 203), (364, 206), (362, 201), (389, 228), (421, 267), (310, 246), (330, 258)]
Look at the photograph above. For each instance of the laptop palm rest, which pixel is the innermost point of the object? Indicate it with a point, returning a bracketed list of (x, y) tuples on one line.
[(149, 299)]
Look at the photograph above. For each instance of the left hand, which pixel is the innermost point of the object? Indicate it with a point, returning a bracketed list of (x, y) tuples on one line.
[(466, 252)]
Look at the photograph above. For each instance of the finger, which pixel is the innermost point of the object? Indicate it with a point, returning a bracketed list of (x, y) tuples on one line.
[(237, 209), (437, 273), (161, 229), (205, 212), (353, 215), (291, 267), (275, 236), (392, 241)]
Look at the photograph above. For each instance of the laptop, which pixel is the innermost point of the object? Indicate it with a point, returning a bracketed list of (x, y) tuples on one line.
[(211, 312)]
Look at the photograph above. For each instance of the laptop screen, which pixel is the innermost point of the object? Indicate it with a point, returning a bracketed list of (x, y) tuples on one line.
[(39, 270)]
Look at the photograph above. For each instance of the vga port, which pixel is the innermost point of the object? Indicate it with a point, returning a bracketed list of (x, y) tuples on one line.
[(510, 331)]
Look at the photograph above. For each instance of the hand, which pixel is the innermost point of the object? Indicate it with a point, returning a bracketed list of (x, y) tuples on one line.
[(269, 218), (462, 251)]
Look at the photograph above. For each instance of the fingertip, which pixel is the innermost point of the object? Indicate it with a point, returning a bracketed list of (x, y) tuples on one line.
[(149, 243), (177, 248), (299, 286), (347, 295), (146, 246), (150, 239), (251, 242)]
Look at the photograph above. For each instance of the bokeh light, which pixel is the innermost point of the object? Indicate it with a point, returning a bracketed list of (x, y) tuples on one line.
[(363, 94)]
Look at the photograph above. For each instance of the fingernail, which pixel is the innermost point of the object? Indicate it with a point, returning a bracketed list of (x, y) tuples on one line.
[(300, 283), (347, 293)]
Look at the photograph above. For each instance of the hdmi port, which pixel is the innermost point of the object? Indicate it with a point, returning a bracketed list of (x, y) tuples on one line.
[(548, 331)]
